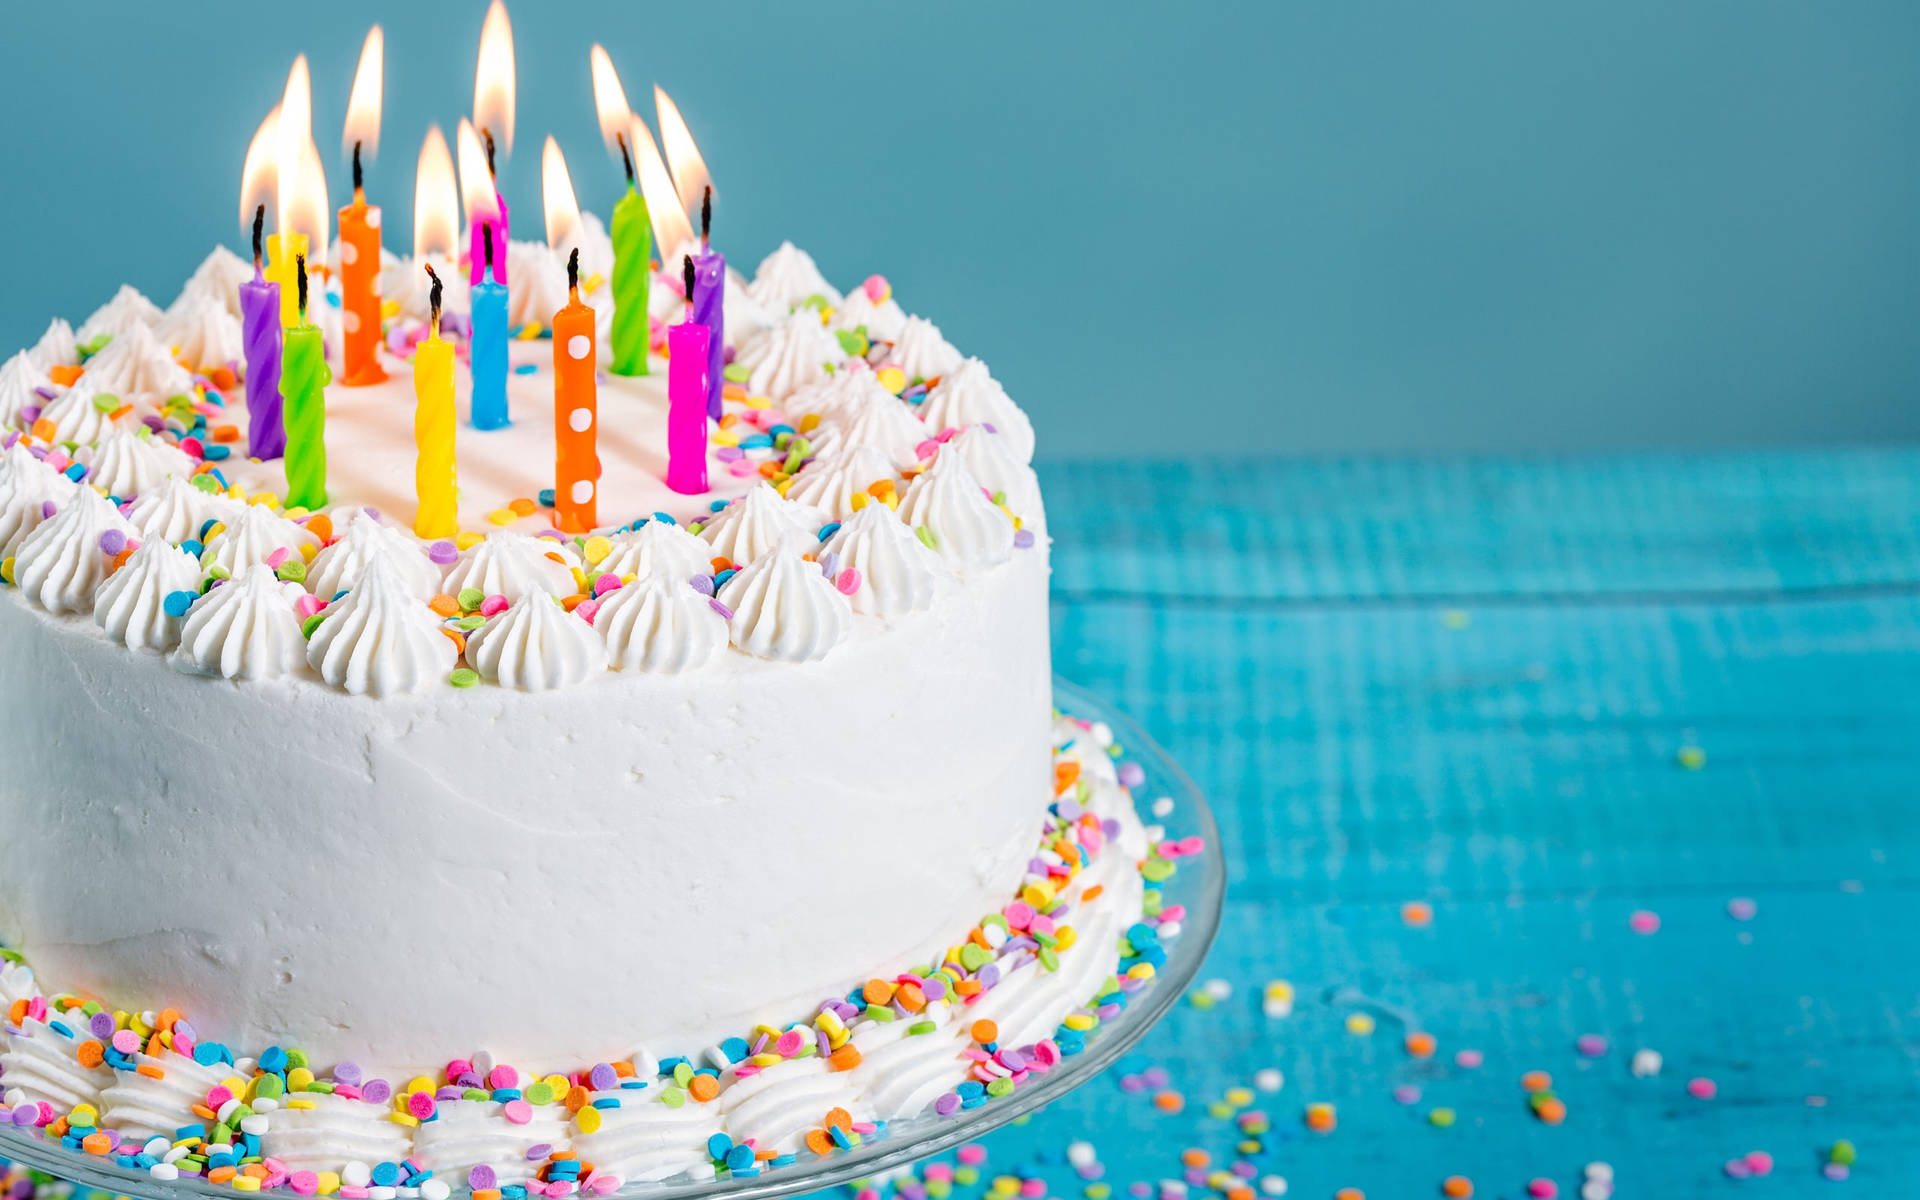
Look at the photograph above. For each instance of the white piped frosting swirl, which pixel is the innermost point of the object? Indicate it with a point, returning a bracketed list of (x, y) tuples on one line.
[(45, 1064), (127, 309), (315, 1131), (658, 623), (757, 522), (129, 461), (879, 421), (791, 355), (788, 277), (645, 1140), (898, 573), (991, 458), (784, 609), (514, 565), (217, 278), (657, 548), (76, 417), (20, 382), (26, 488), (131, 604), (244, 628), (252, 538), (175, 510), (143, 1106), (921, 352), (61, 562), (969, 530), (340, 566), (464, 1133), (883, 321), (536, 646), (202, 329), (56, 347), (830, 483), (970, 395), (379, 639), (137, 367)]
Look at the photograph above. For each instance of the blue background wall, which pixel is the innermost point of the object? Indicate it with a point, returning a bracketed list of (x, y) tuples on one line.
[(1397, 225)]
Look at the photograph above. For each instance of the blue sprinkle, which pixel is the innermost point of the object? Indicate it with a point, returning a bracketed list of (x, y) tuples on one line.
[(735, 1048), (660, 516), (783, 1160), (273, 1058), (546, 501), (668, 1064), (218, 451), (632, 1085), (607, 1102), (829, 529), (719, 1145), (60, 1028), (525, 369), (840, 1137), (718, 505), (386, 1175), (720, 580), (75, 472), (740, 1159)]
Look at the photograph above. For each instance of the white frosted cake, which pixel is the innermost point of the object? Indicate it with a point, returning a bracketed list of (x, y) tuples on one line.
[(347, 861)]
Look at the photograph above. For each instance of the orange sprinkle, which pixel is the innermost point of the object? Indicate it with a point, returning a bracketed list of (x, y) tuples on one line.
[(150, 1071), (459, 639), (878, 991), (167, 1019), (1093, 892), (967, 987), (1240, 1192), (576, 1098), (444, 605), (254, 1171), (221, 378), (846, 1058), (155, 1045), (91, 1053), (1349, 1194), (769, 468), (1065, 775), (1417, 913), (819, 1141), (985, 1031), (487, 1194), (841, 1119), (44, 429), (1421, 1045), (320, 525), (1195, 1157), (703, 1088), (1321, 1117), (96, 1143), (57, 1129), (17, 1012), (911, 997), (204, 1113), (120, 560), (522, 507), (1551, 1111), (226, 433), (623, 1069), (221, 1174), (1457, 1186), (574, 601), (1169, 1102), (65, 373), (1536, 1081)]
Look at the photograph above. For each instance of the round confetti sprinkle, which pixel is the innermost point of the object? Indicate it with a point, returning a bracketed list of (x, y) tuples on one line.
[(1702, 1088), (1644, 922), (1457, 1186), (1742, 908), (1416, 913), (1269, 1079), (1590, 1045)]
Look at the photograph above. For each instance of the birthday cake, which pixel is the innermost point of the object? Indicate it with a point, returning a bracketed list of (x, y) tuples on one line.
[(718, 833)]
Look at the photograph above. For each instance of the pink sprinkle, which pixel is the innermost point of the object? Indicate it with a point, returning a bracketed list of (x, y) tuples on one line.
[(603, 1184), (304, 1182), (1742, 908), (1590, 1045), (848, 581), (586, 610), (790, 1043), (606, 583), (518, 1111), (1018, 914), (1760, 1162), (218, 1094), (1469, 1059), (126, 1041), (876, 287), (503, 1076), (1542, 1189), (926, 449), (938, 1173), (1406, 1093), (307, 605), (420, 1104), (458, 1067), (1644, 922), (277, 557), (972, 1154), (493, 606), (1192, 845), (1033, 1188), (1702, 1088), (741, 469)]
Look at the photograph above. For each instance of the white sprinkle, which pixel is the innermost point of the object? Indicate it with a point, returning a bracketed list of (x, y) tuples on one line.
[(164, 1170), (1646, 1063), (257, 1124), (1269, 1079), (1596, 1189), (1273, 1185), (1599, 1170), (1219, 989), (435, 1189), (356, 1174), (1163, 807), (1080, 1154)]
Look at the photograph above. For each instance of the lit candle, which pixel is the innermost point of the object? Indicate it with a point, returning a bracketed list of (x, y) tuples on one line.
[(493, 101), (260, 341), (631, 228), (489, 345), (434, 484), (687, 360), (707, 292), (283, 251), (575, 411), (486, 212), (300, 191), (303, 400), (360, 227)]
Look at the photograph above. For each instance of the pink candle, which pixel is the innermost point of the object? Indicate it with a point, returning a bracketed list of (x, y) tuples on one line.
[(477, 263), (687, 346)]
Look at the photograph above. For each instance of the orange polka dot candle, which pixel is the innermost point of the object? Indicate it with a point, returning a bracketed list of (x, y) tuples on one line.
[(576, 478)]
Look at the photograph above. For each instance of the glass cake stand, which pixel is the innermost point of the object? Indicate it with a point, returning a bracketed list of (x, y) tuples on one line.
[(1200, 884)]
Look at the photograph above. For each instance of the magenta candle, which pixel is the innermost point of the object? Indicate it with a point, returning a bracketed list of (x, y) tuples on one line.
[(260, 342), (477, 263), (687, 346)]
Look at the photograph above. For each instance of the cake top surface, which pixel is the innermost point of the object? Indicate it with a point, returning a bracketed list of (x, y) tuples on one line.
[(862, 467)]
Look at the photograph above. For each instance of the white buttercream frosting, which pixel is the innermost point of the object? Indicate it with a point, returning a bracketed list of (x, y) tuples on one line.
[(784, 608), (756, 523), (787, 278), (843, 393), (61, 562), (656, 548), (406, 283), (969, 395), (658, 623), (877, 420), (316, 1131), (898, 572), (131, 604), (645, 1140), (365, 540), (792, 355), (379, 639), (920, 351), (779, 1105), (130, 461), (901, 1072), (26, 488), (218, 277), (44, 1063), (464, 1133), (201, 327), (143, 1106), (57, 347), (514, 565), (128, 309), (992, 458), (536, 283), (829, 484), (969, 530), (253, 537), (20, 382), (883, 321), (75, 415), (244, 628), (535, 646), (175, 510)]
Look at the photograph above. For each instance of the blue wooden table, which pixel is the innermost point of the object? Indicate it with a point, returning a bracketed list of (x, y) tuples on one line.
[(1540, 696)]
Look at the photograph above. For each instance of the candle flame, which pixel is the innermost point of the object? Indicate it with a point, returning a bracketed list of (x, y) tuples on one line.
[(671, 230), (690, 176), (609, 98), (493, 80), (300, 186), (259, 175), (363, 104), (436, 206), (556, 188), (477, 197)]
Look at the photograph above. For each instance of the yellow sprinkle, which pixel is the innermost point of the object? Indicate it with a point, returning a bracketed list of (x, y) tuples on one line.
[(400, 1118), (588, 1119), (759, 402), (467, 541), (301, 1102), (860, 501), (596, 549), (308, 550), (592, 283), (1239, 1097), (329, 1182), (558, 1083), (1692, 757), (299, 1078), (1064, 937), (723, 437), (531, 331), (502, 516), (1359, 1024), (1140, 971), (809, 423), (892, 378), (1080, 1021), (245, 1183)]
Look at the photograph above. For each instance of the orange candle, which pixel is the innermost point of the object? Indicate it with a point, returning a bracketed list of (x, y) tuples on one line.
[(360, 285), (576, 480)]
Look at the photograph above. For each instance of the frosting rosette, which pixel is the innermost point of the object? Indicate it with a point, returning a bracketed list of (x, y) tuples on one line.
[(514, 565), (535, 645), (243, 628), (920, 351), (969, 395), (56, 347), (969, 530), (23, 386), (203, 330), (258, 536), (659, 623), (788, 278), (992, 458), (83, 413), (879, 421), (883, 319), (656, 548), (30, 491), (757, 522), (127, 310), (783, 607), (217, 278), (379, 639), (794, 353), (132, 605), (175, 510), (897, 572), (367, 540), (831, 482), (63, 560), (130, 461)]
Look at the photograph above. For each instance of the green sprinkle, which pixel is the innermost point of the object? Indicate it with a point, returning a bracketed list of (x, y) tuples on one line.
[(539, 1091), (854, 341), (466, 677), (470, 599), (673, 1097), (1049, 958), (879, 1012), (1156, 870), (1440, 1118), (920, 1027), (294, 570), (1000, 1087), (972, 957), (816, 302), (470, 623), (310, 624), (1843, 1153), (683, 1073), (269, 1086), (205, 483), (106, 402), (1692, 757), (297, 1057), (926, 536)]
